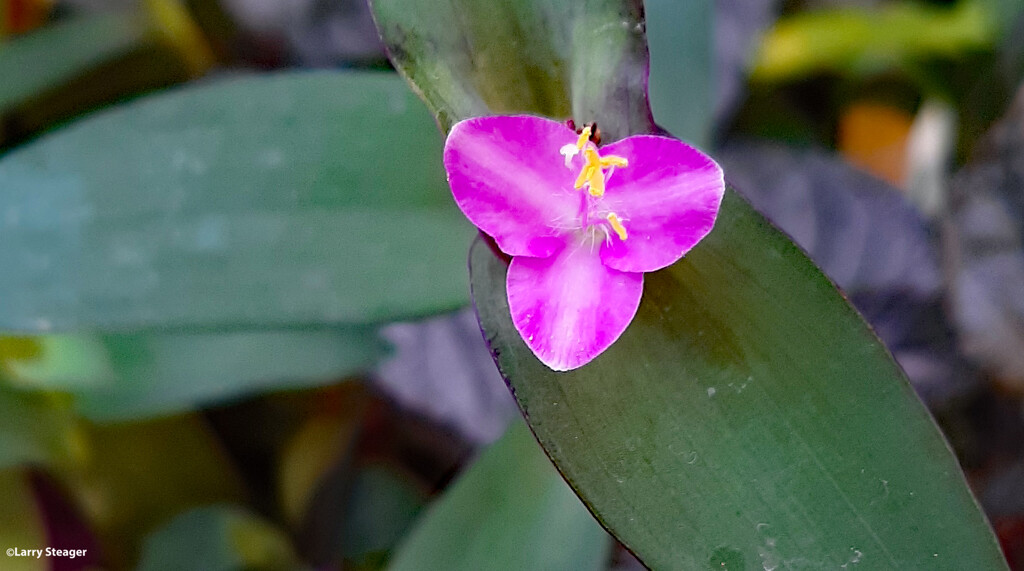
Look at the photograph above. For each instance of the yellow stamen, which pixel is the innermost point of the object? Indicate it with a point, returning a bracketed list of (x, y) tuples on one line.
[(593, 168), (614, 161), (592, 172), (583, 138), (617, 225), (585, 175), (597, 183)]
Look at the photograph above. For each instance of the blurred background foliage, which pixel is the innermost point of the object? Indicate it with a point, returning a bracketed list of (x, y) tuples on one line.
[(295, 417)]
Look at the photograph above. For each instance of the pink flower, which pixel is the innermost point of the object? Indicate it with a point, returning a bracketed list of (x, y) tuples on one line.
[(581, 223)]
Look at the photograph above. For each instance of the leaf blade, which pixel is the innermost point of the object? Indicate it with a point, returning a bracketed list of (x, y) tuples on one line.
[(585, 64), (728, 422), (43, 59), (256, 201), (118, 377), (509, 510)]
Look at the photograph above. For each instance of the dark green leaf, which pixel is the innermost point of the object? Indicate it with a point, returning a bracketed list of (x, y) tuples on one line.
[(300, 198), (561, 59), (509, 511), (749, 417)]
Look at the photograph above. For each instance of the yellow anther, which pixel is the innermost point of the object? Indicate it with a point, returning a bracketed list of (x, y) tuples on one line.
[(592, 173), (614, 161), (593, 169), (617, 225), (597, 183), (585, 175), (583, 138)]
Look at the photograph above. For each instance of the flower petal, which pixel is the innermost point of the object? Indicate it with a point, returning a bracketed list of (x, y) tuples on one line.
[(570, 307), (509, 177), (667, 198)]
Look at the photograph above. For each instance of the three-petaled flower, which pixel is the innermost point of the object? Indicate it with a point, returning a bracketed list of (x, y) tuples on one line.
[(581, 223)]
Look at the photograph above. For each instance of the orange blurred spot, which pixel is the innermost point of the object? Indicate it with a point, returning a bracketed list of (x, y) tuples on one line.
[(874, 136), (21, 16)]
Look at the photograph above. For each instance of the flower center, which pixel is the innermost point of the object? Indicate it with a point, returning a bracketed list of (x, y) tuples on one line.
[(594, 176)]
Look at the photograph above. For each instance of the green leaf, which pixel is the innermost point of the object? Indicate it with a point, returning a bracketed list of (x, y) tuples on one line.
[(278, 200), (221, 538), (55, 362), (509, 510), (122, 376), (64, 69), (44, 59), (560, 59), (682, 80), (747, 417)]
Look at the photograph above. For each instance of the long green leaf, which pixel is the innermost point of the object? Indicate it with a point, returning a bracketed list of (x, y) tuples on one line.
[(44, 59), (290, 199), (748, 416), (64, 69), (127, 376), (509, 511)]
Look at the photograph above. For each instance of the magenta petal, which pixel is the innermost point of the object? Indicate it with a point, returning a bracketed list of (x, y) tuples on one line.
[(668, 197), (570, 307), (510, 180)]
